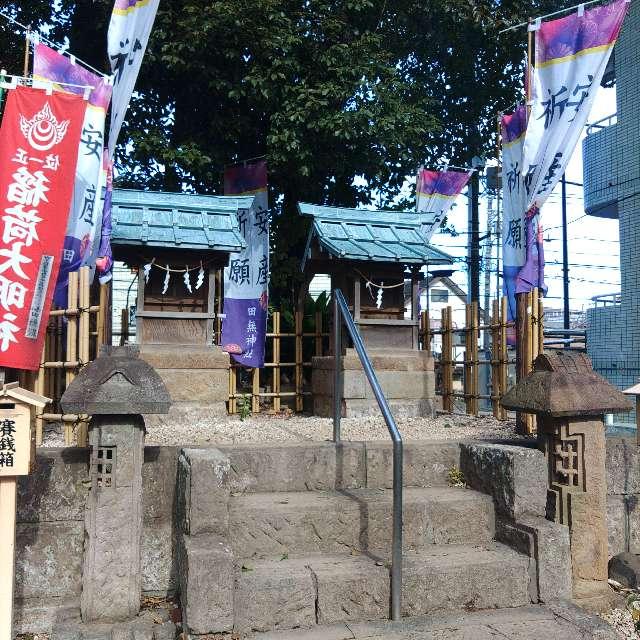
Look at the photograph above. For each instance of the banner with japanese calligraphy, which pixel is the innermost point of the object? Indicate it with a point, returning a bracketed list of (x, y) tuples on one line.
[(436, 192), (104, 254), (86, 210), (129, 29), (39, 140), (246, 279), (522, 241), (571, 57)]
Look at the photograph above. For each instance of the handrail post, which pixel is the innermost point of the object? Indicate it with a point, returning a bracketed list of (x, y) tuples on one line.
[(337, 375), (396, 540), (341, 311)]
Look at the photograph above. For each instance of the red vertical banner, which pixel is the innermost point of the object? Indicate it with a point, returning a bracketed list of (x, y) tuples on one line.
[(39, 141)]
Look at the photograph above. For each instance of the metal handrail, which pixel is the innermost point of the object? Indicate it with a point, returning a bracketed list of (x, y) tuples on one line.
[(341, 311)]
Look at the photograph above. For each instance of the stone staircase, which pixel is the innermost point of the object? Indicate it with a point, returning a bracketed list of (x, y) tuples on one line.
[(284, 537)]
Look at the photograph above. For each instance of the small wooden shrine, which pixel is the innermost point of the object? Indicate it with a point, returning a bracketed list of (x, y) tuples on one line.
[(373, 257), (179, 244)]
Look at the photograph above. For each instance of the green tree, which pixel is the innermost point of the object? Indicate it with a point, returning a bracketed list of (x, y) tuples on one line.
[(345, 98)]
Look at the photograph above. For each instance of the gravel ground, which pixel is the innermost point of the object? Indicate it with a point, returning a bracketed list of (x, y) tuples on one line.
[(620, 620), (283, 427)]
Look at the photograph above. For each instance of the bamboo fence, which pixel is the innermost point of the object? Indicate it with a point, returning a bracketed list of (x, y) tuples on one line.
[(497, 325), (73, 339), (266, 391)]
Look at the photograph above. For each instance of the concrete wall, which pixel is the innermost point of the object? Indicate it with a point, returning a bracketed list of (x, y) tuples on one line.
[(623, 489), (50, 533)]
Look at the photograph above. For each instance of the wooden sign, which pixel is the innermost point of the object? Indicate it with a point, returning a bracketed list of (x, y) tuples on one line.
[(15, 439)]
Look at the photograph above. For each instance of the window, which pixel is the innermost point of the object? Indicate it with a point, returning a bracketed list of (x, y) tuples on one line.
[(439, 295)]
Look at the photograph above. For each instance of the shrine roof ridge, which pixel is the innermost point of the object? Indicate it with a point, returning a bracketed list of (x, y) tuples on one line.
[(177, 220), (371, 235)]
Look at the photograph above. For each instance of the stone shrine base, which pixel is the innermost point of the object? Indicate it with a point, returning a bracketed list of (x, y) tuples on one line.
[(196, 377), (406, 376)]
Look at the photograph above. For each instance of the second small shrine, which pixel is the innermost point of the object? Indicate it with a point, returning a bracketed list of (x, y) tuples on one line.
[(179, 244), (374, 257)]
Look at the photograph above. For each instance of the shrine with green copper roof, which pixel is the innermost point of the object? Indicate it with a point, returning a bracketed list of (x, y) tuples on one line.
[(373, 257), (368, 235)]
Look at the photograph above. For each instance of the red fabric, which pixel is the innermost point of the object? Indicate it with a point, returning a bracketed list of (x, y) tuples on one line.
[(39, 141)]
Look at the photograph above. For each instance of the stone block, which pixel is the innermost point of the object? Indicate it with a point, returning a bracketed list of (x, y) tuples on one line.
[(158, 559), (625, 569), (430, 516), (49, 559), (357, 590), (547, 545), (470, 578), (293, 523), (189, 356), (369, 407), (426, 464), (196, 385), (202, 491), (623, 466), (57, 488), (516, 476), (272, 595), (39, 615), (159, 483), (206, 576), (295, 466), (355, 383), (616, 524)]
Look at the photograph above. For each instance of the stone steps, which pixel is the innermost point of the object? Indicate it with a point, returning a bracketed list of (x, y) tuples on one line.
[(320, 589), (359, 519), (522, 623)]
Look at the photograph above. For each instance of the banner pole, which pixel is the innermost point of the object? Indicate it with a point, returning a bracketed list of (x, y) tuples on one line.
[(27, 37), (7, 554)]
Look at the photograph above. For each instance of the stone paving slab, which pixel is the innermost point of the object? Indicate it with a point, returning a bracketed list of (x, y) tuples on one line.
[(563, 621)]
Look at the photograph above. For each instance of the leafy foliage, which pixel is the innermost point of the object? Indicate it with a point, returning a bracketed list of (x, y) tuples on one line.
[(345, 98)]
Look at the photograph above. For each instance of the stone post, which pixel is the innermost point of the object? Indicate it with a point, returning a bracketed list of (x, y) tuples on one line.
[(115, 389), (570, 400)]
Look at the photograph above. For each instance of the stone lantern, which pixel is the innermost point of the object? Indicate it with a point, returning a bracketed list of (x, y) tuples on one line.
[(115, 389), (570, 400)]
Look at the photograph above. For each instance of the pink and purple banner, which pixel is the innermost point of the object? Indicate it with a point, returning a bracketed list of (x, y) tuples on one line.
[(571, 57), (436, 192), (246, 279), (85, 219)]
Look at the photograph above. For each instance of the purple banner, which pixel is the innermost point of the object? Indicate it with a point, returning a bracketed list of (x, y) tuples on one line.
[(246, 279)]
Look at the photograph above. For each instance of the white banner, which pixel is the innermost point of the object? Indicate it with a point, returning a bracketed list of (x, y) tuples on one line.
[(571, 57), (129, 29), (514, 198)]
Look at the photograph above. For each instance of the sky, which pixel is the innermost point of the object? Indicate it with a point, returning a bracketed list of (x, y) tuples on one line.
[(594, 267)]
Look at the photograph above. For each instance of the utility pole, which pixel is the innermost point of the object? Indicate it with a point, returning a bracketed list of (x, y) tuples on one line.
[(473, 291), (565, 255)]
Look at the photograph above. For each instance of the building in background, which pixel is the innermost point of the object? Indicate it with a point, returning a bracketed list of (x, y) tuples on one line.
[(612, 190)]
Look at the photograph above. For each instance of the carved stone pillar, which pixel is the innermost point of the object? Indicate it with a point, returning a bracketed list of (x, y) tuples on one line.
[(115, 389), (570, 400)]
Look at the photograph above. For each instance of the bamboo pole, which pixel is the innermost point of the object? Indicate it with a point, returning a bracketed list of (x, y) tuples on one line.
[(102, 323), (299, 373), (318, 334), (504, 354), (84, 340), (276, 360), (496, 392), (447, 361), (540, 325), (255, 390), (475, 366), (72, 339), (232, 389), (466, 380), (124, 326), (39, 388)]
